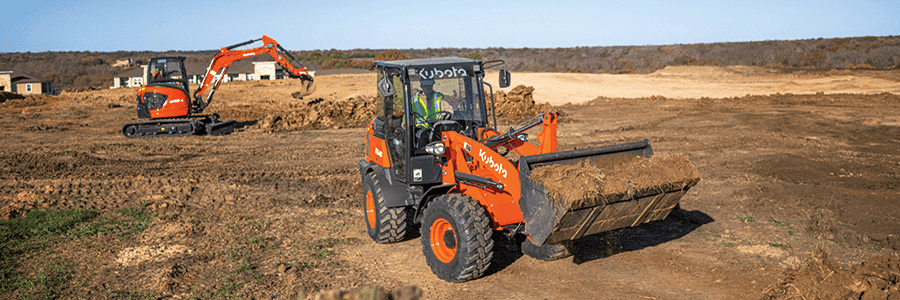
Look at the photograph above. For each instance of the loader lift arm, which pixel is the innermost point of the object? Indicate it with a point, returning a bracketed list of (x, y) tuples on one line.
[(227, 55)]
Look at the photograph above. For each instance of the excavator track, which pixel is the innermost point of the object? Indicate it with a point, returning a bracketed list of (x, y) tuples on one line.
[(178, 127)]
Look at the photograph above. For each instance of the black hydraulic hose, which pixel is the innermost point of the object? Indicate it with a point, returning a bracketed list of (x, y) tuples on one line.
[(242, 44)]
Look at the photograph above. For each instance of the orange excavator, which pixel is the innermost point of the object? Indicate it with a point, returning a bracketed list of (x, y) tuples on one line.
[(172, 112)]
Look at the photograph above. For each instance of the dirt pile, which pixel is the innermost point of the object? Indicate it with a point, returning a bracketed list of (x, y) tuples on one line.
[(518, 104), (591, 181), (875, 278), (370, 292), (17, 101), (81, 89), (322, 114), (9, 96)]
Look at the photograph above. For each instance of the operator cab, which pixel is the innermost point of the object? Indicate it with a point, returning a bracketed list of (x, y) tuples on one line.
[(167, 72), (420, 99)]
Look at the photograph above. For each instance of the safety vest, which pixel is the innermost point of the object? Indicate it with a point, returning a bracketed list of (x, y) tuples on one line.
[(421, 106)]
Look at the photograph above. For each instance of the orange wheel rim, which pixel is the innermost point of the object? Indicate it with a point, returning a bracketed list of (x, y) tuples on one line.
[(441, 235), (370, 209)]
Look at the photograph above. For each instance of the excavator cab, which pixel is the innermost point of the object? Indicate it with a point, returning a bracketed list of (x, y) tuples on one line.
[(167, 71), (166, 92)]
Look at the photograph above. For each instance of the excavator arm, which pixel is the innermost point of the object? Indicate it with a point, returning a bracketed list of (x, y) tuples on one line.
[(227, 55)]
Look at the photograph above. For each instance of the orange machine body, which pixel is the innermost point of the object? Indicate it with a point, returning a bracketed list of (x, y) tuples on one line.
[(177, 102), (465, 155)]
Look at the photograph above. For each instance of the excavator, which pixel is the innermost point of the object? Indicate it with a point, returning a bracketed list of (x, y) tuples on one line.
[(433, 160), (172, 112)]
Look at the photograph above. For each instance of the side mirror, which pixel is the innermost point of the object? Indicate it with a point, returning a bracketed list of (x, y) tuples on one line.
[(386, 87), (504, 79)]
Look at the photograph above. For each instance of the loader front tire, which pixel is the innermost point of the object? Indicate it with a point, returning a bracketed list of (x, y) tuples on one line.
[(384, 225), (456, 238), (547, 252)]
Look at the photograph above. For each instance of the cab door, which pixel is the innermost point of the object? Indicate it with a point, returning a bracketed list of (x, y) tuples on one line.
[(396, 129)]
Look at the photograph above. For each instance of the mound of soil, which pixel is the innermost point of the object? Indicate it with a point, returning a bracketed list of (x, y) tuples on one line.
[(9, 96), (81, 89), (370, 292), (518, 104), (322, 114), (820, 278), (591, 181), (11, 100)]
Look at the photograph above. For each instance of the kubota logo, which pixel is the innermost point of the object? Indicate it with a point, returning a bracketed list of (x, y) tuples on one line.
[(378, 152), (446, 73), (489, 160)]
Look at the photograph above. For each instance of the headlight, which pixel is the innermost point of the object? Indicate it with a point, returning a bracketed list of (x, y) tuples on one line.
[(435, 148)]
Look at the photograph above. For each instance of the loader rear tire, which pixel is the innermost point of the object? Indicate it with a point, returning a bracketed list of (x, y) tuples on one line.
[(456, 238), (547, 252), (384, 225)]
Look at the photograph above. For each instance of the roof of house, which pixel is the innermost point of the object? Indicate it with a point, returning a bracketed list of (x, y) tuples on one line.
[(19, 77)]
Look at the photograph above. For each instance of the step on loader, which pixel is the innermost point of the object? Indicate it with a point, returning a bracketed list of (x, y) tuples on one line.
[(433, 160)]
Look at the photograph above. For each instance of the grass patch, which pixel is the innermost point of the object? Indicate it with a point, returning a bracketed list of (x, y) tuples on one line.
[(748, 218), (49, 278), (29, 235), (130, 222), (322, 248), (24, 235)]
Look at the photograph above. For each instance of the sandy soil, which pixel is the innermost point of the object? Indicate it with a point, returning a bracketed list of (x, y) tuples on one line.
[(277, 214), (695, 82)]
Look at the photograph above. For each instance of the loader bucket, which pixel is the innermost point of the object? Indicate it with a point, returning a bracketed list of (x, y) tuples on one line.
[(550, 219)]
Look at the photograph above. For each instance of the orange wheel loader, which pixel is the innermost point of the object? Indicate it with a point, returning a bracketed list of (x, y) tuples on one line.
[(433, 161)]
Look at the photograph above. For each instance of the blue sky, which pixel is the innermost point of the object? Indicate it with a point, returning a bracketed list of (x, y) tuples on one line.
[(97, 25)]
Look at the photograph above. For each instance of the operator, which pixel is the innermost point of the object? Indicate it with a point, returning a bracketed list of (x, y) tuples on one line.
[(156, 74), (426, 104)]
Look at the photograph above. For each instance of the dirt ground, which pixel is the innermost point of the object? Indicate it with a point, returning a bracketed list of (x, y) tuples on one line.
[(274, 211), (683, 82)]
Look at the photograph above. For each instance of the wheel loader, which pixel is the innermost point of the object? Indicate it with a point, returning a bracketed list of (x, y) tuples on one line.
[(434, 161)]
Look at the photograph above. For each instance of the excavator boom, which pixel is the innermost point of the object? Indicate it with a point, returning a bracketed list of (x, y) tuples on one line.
[(227, 55)]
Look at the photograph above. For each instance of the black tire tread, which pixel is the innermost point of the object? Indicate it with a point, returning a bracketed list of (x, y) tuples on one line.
[(392, 223), (472, 219)]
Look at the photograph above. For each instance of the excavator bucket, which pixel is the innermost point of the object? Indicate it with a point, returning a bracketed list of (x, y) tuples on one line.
[(304, 88), (570, 194)]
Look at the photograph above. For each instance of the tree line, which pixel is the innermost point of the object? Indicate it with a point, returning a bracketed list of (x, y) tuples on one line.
[(79, 69)]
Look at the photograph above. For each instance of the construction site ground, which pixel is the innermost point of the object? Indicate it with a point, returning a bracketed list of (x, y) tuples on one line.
[(800, 170)]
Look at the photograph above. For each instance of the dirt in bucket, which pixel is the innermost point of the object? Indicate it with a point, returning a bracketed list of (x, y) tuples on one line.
[(595, 180)]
